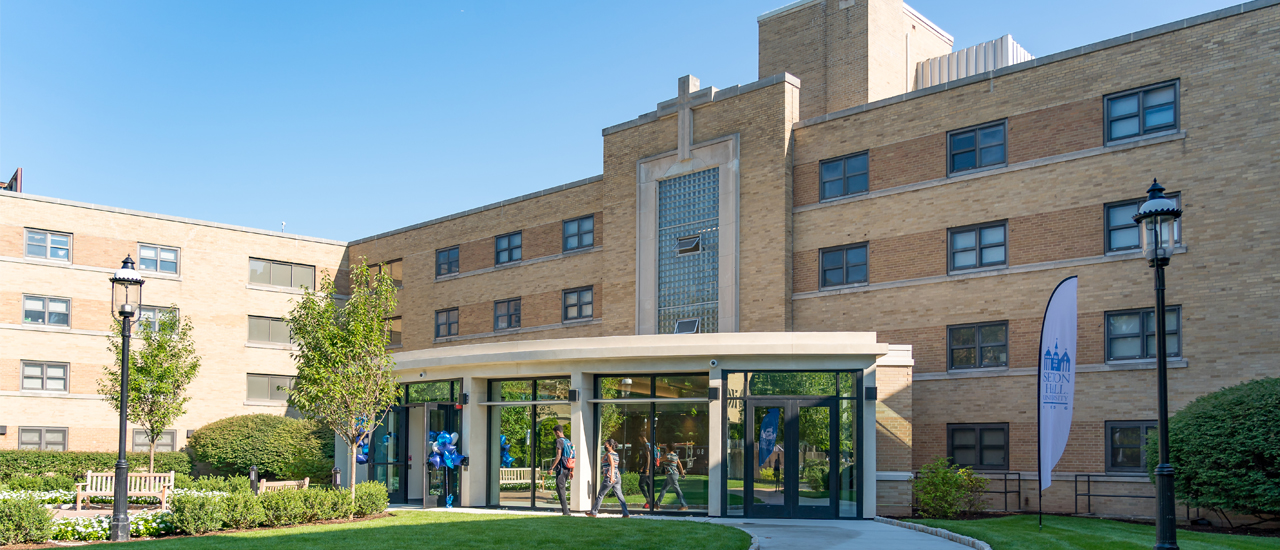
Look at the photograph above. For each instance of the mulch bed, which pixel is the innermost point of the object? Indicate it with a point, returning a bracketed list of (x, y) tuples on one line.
[(66, 543)]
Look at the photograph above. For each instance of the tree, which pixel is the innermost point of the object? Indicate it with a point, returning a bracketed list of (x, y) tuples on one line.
[(346, 378), (159, 372)]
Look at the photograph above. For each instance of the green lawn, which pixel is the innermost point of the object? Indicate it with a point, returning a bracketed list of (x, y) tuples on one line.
[(416, 530), (1070, 533)]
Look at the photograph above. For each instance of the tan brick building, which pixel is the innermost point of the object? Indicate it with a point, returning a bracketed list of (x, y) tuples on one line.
[(871, 181)]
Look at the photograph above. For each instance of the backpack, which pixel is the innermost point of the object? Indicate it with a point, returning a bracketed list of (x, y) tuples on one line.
[(568, 455)]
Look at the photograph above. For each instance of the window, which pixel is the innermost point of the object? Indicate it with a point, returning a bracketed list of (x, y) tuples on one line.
[(159, 259), (1126, 442), (42, 439), (150, 317), (977, 346), (843, 176), (267, 329), (446, 261), (506, 314), (44, 376), (977, 246), (40, 310), (689, 245), (580, 233), (844, 265), (395, 332), (577, 304), (447, 323), (47, 244), (268, 272), (1123, 232), (1143, 111), (977, 147), (1132, 334), (688, 326), (393, 269), (980, 446), (164, 444), (506, 249), (270, 387)]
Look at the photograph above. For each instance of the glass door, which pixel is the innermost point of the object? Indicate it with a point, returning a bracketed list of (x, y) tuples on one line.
[(390, 460), (769, 487), (790, 454), (817, 428), (440, 482)]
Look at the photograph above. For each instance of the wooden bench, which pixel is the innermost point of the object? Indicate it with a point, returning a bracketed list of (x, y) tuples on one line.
[(268, 486), (140, 485)]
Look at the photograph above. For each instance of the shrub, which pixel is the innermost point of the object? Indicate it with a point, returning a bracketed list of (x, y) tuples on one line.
[(42, 483), (277, 445), (944, 490), (1225, 450), (371, 498), (630, 483), (815, 473), (242, 510), (197, 514), (283, 508), (229, 484), (24, 521), (74, 464)]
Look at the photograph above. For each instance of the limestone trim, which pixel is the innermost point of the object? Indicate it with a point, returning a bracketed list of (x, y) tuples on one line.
[(50, 395), (83, 267), (512, 265), (257, 403), (1144, 364), (57, 330), (989, 172), (267, 345), (269, 288), (521, 330)]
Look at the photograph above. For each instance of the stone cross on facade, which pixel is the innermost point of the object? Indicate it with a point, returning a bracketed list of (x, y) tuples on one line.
[(688, 84)]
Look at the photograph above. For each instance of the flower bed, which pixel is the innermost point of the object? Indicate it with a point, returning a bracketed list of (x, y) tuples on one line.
[(69, 497), (145, 524)]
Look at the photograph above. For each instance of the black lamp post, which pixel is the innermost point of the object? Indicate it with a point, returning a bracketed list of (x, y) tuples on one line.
[(1157, 217), (126, 297)]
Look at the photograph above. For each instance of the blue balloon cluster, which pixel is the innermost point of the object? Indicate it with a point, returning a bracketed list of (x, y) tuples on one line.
[(507, 459), (362, 453), (444, 450)]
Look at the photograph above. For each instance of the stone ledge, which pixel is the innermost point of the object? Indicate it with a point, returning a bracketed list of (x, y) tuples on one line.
[(521, 330), (942, 533), (1145, 364)]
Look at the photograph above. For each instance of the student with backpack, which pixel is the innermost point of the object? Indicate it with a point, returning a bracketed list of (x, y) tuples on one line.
[(610, 478), (675, 471), (565, 461)]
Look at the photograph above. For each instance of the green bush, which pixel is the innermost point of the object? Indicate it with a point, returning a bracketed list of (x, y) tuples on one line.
[(74, 464), (1225, 450), (283, 508), (24, 521), (279, 446), (815, 473), (945, 491), (229, 484), (630, 483), (42, 483), (242, 510), (371, 498), (198, 514)]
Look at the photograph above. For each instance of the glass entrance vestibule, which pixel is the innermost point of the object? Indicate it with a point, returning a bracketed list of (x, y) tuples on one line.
[(521, 460)]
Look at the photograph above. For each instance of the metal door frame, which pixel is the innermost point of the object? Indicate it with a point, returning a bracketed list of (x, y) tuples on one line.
[(791, 508)]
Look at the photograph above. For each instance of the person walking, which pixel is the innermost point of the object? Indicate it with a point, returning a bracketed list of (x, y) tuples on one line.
[(610, 478), (647, 464), (675, 471), (563, 466)]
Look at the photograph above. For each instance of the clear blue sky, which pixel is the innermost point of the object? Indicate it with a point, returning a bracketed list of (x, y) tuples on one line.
[(346, 119)]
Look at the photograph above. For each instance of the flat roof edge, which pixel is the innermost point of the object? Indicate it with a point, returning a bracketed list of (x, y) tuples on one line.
[(910, 11), (784, 9), (702, 97), (168, 218)]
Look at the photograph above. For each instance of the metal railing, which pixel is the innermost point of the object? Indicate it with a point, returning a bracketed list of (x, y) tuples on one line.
[(1089, 494), (1004, 494)]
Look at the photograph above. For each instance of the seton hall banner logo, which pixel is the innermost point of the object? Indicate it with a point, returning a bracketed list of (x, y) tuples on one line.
[(1057, 377)]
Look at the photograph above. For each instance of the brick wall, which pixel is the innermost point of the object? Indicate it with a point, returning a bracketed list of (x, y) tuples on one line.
[(1060, 235), (910, 161), (1056, 130), (907, 257)]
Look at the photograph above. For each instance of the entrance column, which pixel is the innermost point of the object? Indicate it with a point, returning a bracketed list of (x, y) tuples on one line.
[(715, 446), (867, 508), (579, 424), (473, 443)]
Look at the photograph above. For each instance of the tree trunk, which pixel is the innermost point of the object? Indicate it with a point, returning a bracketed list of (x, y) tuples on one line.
[(152, 468), (351, 476)]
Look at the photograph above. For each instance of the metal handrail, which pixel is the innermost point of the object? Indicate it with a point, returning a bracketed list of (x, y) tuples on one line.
[(1004, 476), (1089, 494)]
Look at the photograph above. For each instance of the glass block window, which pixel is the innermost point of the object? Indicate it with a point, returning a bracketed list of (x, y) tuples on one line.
[(447, 323), (447, 261), (1132, 334), (160, 259), (163, 445), (977, 246), (980, 446), (975, 346), (42, 439), (396, 330), (270, 387), (393, 269), (844, 265), (1142, 111), (578, 304), (580, 233), (506, 314), (268, 330), (1123, 233), (843, 176), (282, 274), (977, 147), (506, 248), (688, 246), (149, 316), (1126, 445), (48, 245), (42, 310), (45, 376)]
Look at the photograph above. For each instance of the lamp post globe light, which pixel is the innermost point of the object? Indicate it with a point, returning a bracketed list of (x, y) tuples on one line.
[(1157, 217), (126, 298)]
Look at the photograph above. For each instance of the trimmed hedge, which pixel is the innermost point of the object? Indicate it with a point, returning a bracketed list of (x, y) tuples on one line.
[(281, 447), (371, 498), (1225, 449), (24, 521), (74, 464)]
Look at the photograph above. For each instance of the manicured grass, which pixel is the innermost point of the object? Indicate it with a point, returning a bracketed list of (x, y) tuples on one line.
[(457, 531), (1071, 533)]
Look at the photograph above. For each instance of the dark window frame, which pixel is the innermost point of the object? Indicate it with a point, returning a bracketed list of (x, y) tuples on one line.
[(845, 265), (1146, 428), (512, 314), (844, 176), (690, 244), (44, 439), (1143, 333), (590, 234), (697, 324), (978, 246), (978, 345), (44, 375), (48, 244), (45, 310), (1108, 228), (1141, 113), (978, 446), (450, 262), (177, 259), (977, 147), (450, 325), (511, 250), (144, 445), (578, 303)]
